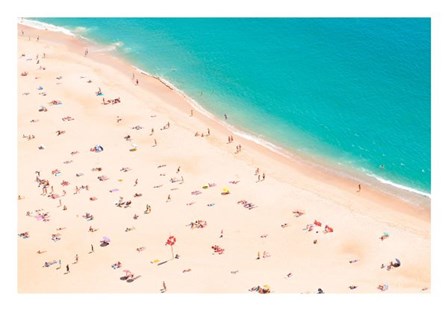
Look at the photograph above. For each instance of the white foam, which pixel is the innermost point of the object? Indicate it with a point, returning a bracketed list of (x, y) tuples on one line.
[(81, 30), (109, 48), (388, 182), (142, 71), (44, 26)]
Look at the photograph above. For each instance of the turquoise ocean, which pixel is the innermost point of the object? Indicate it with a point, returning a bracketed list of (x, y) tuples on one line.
[(354, 92)]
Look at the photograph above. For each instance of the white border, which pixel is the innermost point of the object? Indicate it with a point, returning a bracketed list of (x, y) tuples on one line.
[(278, 8)]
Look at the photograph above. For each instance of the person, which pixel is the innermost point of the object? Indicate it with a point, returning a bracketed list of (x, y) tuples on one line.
[(86, 52), (76, 258), (136, 182), (191, 112), (91, 247), (68, 268), (359, 187), (136, 81), (264, 176), (225, 116)]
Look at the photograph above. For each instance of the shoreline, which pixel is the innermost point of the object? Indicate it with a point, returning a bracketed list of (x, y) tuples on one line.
[(358, 218), (317, 161)]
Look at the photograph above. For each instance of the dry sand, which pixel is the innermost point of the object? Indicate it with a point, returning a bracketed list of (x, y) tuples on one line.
[(289, 259)]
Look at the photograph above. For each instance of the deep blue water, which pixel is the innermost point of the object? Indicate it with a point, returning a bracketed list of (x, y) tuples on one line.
[(355, 91)]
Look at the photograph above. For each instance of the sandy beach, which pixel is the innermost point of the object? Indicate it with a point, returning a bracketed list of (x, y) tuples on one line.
[(124, 187)]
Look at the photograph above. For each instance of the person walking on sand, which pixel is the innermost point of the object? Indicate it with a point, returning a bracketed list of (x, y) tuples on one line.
[(91, 247), (164, 287), (86, 52), (67, 267), (76, 258), (359, 188), (136, 182)]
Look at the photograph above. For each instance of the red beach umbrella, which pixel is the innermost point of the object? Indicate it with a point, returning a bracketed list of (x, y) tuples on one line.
[(317, 223), (171, 241)]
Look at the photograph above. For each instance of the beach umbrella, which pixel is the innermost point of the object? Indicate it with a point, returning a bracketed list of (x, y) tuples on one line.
[(106, 239), (225, 190), (171, 241), (317, 223)]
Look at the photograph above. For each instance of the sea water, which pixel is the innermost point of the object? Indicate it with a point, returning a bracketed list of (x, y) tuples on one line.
[(352, 91)]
